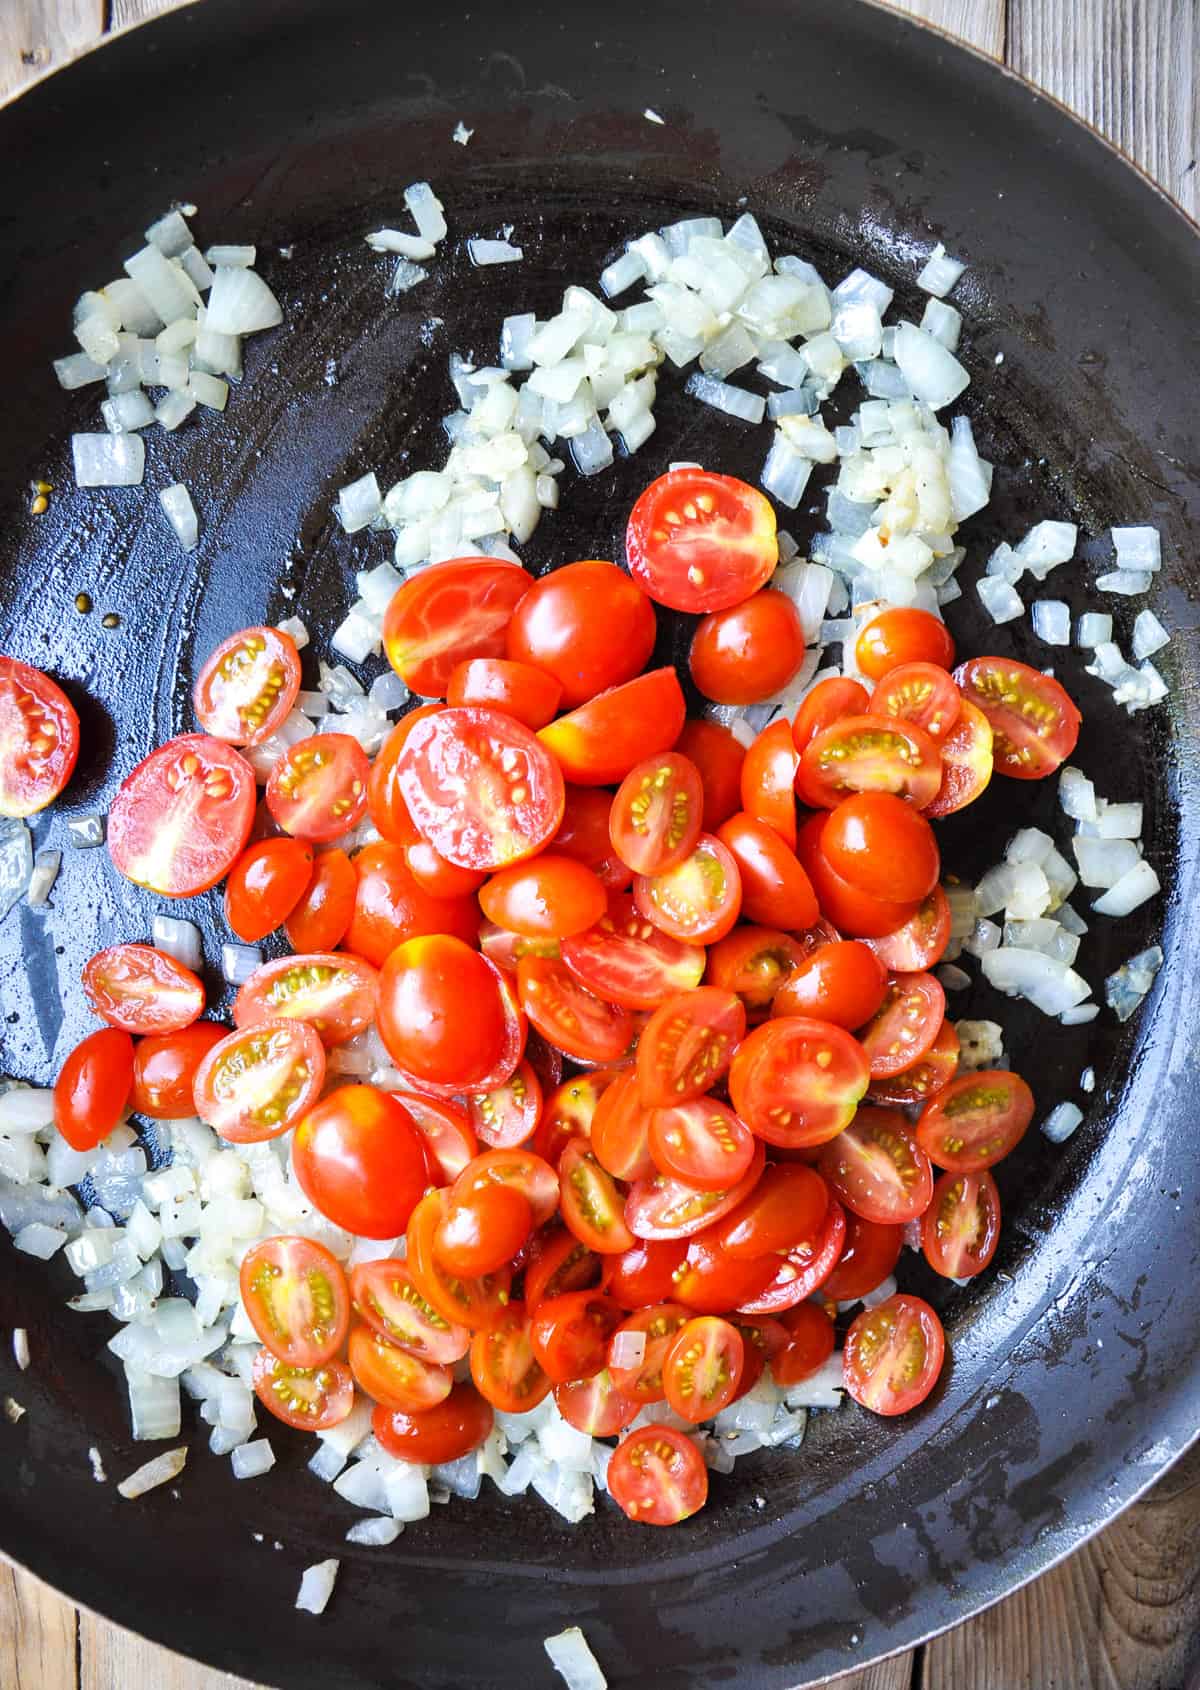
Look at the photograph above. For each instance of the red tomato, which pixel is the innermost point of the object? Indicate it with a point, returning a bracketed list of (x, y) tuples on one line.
[(620, 1130), (809, 1345), (976, 1120), (881, 846), (570, 1334), (312, 1399), (142, 990), (746, 653), (704, 1368), (905, 1025), (39, 739), (529, 1173), (482, 1229), (265, 885), (385, 1295), (655, 818), (165, 1067), (719, 758), (595, 1406), (962, 1225), (869, 754), (645, 1274), (389, 812), (967, 756), (568, 1113), (449, 1142), (1034, 722), (805, 1267), (588, 625), (754, 962), (828, 702), (920, 942), (869, 1256), (248, 686), (702, 1143), (701, 542), (504, 1367), (424, 989), (787, 1206), (902, 635), (627, 960), (180, 820), (661, 1208), (447, 614), (360, 1160), (893, 1355), (471, 1302), (559, 1263), (507, 1114), (843, 983), (877, 1168), (546, 1062), (642, 1381), (390, 908), (458, 1424), (564, 1012), (93, 1087), (394, 1378), (795, 1081), (551, 897), (320, 918), (318, 788), (337, 995), (699, 900), (256, 1083), (657, 1476), (296, 1296), (480, 787), (687, 1045), (768, 781), (920, 693), (506, 949), (529, 694), (710, 1282), (850, 911), (916, 1085), (602, 740), (776, 891), (591, 1204), (583, 835)]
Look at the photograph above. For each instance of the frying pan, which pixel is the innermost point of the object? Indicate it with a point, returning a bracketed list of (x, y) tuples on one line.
[(856, 138)]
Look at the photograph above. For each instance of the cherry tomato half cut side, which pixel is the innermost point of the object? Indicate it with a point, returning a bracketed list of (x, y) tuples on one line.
[(259, 1081), (142, 990), (39, 739), (701, 542), (248, 686)]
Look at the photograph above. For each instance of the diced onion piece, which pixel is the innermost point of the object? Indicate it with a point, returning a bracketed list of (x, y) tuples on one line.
[(1077, 795), (316, 1587), (180, 939), (77, 370), (167, 289), (933, 373), (1138, 548), (359, 503), (1052, 621), (108, 460), (1061, 1122), (999, 598), (733, 401), (570, 1656), (1048, 984), (170, 234), (1149, 635), (39, 1240), (249, 1461), (238, 962), (1134, 888), (171, 410), (943, 322), (20, 1344), (160, 1471), (240, 303), (378, 1532), (207, 390), (785, 474), (1127, 582), (939, 272), (1103, 862), (485, 252), (628, 1349), (402, 245), (176, 501), (426, 210), (1046, 545)]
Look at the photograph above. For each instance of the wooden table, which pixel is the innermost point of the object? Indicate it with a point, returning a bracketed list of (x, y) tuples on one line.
[(1123, 1613)]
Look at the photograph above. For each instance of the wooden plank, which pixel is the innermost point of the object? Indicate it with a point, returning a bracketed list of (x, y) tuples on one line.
[(893, 1674), (1131, 67), (125, 13), (112, 1659), (979, 22), (37, 1634), (39, 36)]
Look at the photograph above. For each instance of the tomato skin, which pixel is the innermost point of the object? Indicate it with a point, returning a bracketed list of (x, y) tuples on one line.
[(796, 1081), (583, 834), (899, 635), (754, 962), (702, 1143), (746, 653), (519, 1167), (389, 812), (662, 1208), (699, 900), (319, 919), (655, 818), (710, 1282), (142, 990), (776, 891), (809, 1344), (657, 1477), (312, 1399), (569, 1111), (869, 1254), (334, 993), (592, 1207), (240, 1112), (482, 1229), (318, 788), (248, 686), (570, 1334), (975, 1121), (450, 1143), (768, 781), (805, 1267), (559, 1263), (1034, 721), (701, 542), (551, 897), (881, 846), (504, 1367), (788, 1204), (852, 912), (395, 1379), (704, 1368), (843, 983), (885, 1347), (644, 1274), (458, 1424), (181, 818), (967, 761), (877, 1168), (359, 1158), (599, 742), (905, 1025), (920, 942), (916, 1085), (688, 1044), (920, 693), (719, 758), (869, 754), (265, 885), (961, 1228), (390, 908), (385, 1295), (594, 1405), (570, 1017), (474, 1303), (586, 624), (447, 614), (164, 1070), (39, 739), (423, 987), (507, 1114), (296, 1296), (642, 1382), (93, 1087), (530, 695), (626, 960), (828, 702), (620, 1130)]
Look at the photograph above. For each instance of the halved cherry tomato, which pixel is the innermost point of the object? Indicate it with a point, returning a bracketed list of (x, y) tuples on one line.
[(389, 812), (573, 1019), (504, 1367), (546, 1062), (828, 702), (967, 759), (296, 1296), (776, 891), (882, 846), (893, 1355), (843, 983), (360, 1160), (701, 542), (687, 1045), (259, 1081), (850, 911), (93, 1087), (1034, 721), (699, 900), (335, 994), (482, 1229), (532, 1176), (754, 962), (805, 1267), (620, 1130), (424, 991), (796, 1081), (588, 625), (318, 788), (768, 781), (591, 1204), (248, 686), (320, 918), (583, 834), (746, 653), (902, 635), (869, 754), (710, 1282), (920, 942), (921, 693), (916, 1085), (449, 1142), (471, 1301), (531, 695), (905, 1024), (601, 741), (764, 1337), (39, 739), (809, 1344), (265, 885), (165, 1067), (975, 1121), (550, 897), (454, 1428), (506, 949), (180, 819), (645, 1274), (568, 1112), (704, 1368), (719, 758), (657, 1476), (387, 1297), (869, 1255), (570, 1334), (396, 1379), (962, 1225), (142, 990), (655, 818), (594, 1405), (702, 1143), (559, 1263), (507, 1114), (312, 1399), (787, 1206), (626, 960), (449, 613), (661, 1208), (877, 1168), (391, 908), (642, 1381)]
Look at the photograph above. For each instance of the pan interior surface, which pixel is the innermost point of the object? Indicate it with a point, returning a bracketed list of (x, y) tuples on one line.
[(855, 139)]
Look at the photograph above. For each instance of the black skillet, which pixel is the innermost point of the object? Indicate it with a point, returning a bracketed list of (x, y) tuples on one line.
[(856, 138)]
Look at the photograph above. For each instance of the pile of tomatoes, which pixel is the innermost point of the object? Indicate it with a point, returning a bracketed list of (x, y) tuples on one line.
[(731, 949)]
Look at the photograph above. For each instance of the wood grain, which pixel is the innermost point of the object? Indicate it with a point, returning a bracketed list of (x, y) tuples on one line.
[(37, 1634), (894, 1674), (980, 22), (39, 36), (112, 1659)]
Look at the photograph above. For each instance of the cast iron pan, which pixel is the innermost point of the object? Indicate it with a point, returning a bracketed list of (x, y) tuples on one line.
[(855, 137)]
